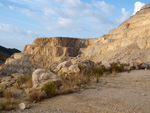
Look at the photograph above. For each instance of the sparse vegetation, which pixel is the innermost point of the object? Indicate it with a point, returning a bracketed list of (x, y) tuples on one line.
[(81, 66), (9, 93), (7, 105), (25, 79), (97, 75), (71, 81), (117, 67), (50, 89), (35, 96), (62, 75)]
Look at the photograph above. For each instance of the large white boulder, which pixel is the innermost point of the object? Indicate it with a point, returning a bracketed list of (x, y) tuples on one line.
[(43, 76)]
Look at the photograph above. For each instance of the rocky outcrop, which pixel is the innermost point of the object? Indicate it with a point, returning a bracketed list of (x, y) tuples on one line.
[(45, 53), (42, 76), (127, 44)]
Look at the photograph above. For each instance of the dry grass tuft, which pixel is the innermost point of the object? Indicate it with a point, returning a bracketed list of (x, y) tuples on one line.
[(27, 79), (50, 89), (36, 96), (73, 80), (9, 93), (7, 105)]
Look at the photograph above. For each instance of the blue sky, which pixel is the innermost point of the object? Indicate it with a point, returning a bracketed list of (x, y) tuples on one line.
[(22, 21)]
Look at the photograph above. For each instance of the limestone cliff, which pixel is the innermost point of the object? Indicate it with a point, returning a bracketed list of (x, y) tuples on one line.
[(45, 53), (127, 43)]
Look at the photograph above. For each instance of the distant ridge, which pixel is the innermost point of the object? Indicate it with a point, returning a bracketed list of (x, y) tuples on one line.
[(6, 52)]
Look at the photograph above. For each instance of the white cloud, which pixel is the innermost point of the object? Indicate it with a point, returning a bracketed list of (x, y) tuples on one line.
[(109, 9), (24, 11), (10, 29), (125, 15), (1, 4), (72, 15), (138, 6), (11, 7)]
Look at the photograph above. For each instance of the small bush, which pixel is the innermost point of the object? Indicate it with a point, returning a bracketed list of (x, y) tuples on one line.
[(50, 89), (25, 79), (7, 105), (81, 67), (62, 75), (121, 68), (117, 67), (36, 96), (99, 69), (97, 75), (9, 93), (74, 80)]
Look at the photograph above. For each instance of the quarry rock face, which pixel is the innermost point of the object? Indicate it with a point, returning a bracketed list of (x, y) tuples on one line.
[(45, 53), (128, 43)]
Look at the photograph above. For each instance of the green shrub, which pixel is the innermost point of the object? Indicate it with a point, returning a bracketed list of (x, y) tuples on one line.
[(81, 67), (25, 79), (117, 67), (121, 68), (99, 69), (50, 89), (98, 75), (62, 75)]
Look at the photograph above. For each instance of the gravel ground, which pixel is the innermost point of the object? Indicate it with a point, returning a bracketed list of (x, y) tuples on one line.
[(125, 93)]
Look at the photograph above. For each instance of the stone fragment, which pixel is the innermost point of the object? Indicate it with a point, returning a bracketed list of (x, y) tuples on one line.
[(23, 106)]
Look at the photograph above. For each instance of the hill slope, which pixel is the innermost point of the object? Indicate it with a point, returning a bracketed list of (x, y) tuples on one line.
[(6, 52), (129, 43)]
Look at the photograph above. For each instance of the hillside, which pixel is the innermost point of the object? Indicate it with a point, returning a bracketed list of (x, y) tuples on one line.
[(6, 52), (129, 44)]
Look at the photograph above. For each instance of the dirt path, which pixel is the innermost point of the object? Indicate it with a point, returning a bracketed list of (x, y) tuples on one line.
[(126, 93)]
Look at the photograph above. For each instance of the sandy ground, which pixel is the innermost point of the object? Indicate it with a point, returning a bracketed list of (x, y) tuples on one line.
[(124, 93)]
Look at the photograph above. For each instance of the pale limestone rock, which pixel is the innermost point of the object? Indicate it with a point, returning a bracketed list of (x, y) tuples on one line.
[(106, 64), (74, 69), (65, 64), (28, 90), (71, 69), (18, 55), (23, 106), (43, 76)]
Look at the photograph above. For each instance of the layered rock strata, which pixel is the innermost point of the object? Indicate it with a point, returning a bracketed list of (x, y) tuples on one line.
[(45, 53), (128, 43)]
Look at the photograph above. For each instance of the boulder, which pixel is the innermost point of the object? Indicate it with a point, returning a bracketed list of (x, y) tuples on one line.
[(43, 76), (74, 69), (65, 64), (88, 65), (143, 66)]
